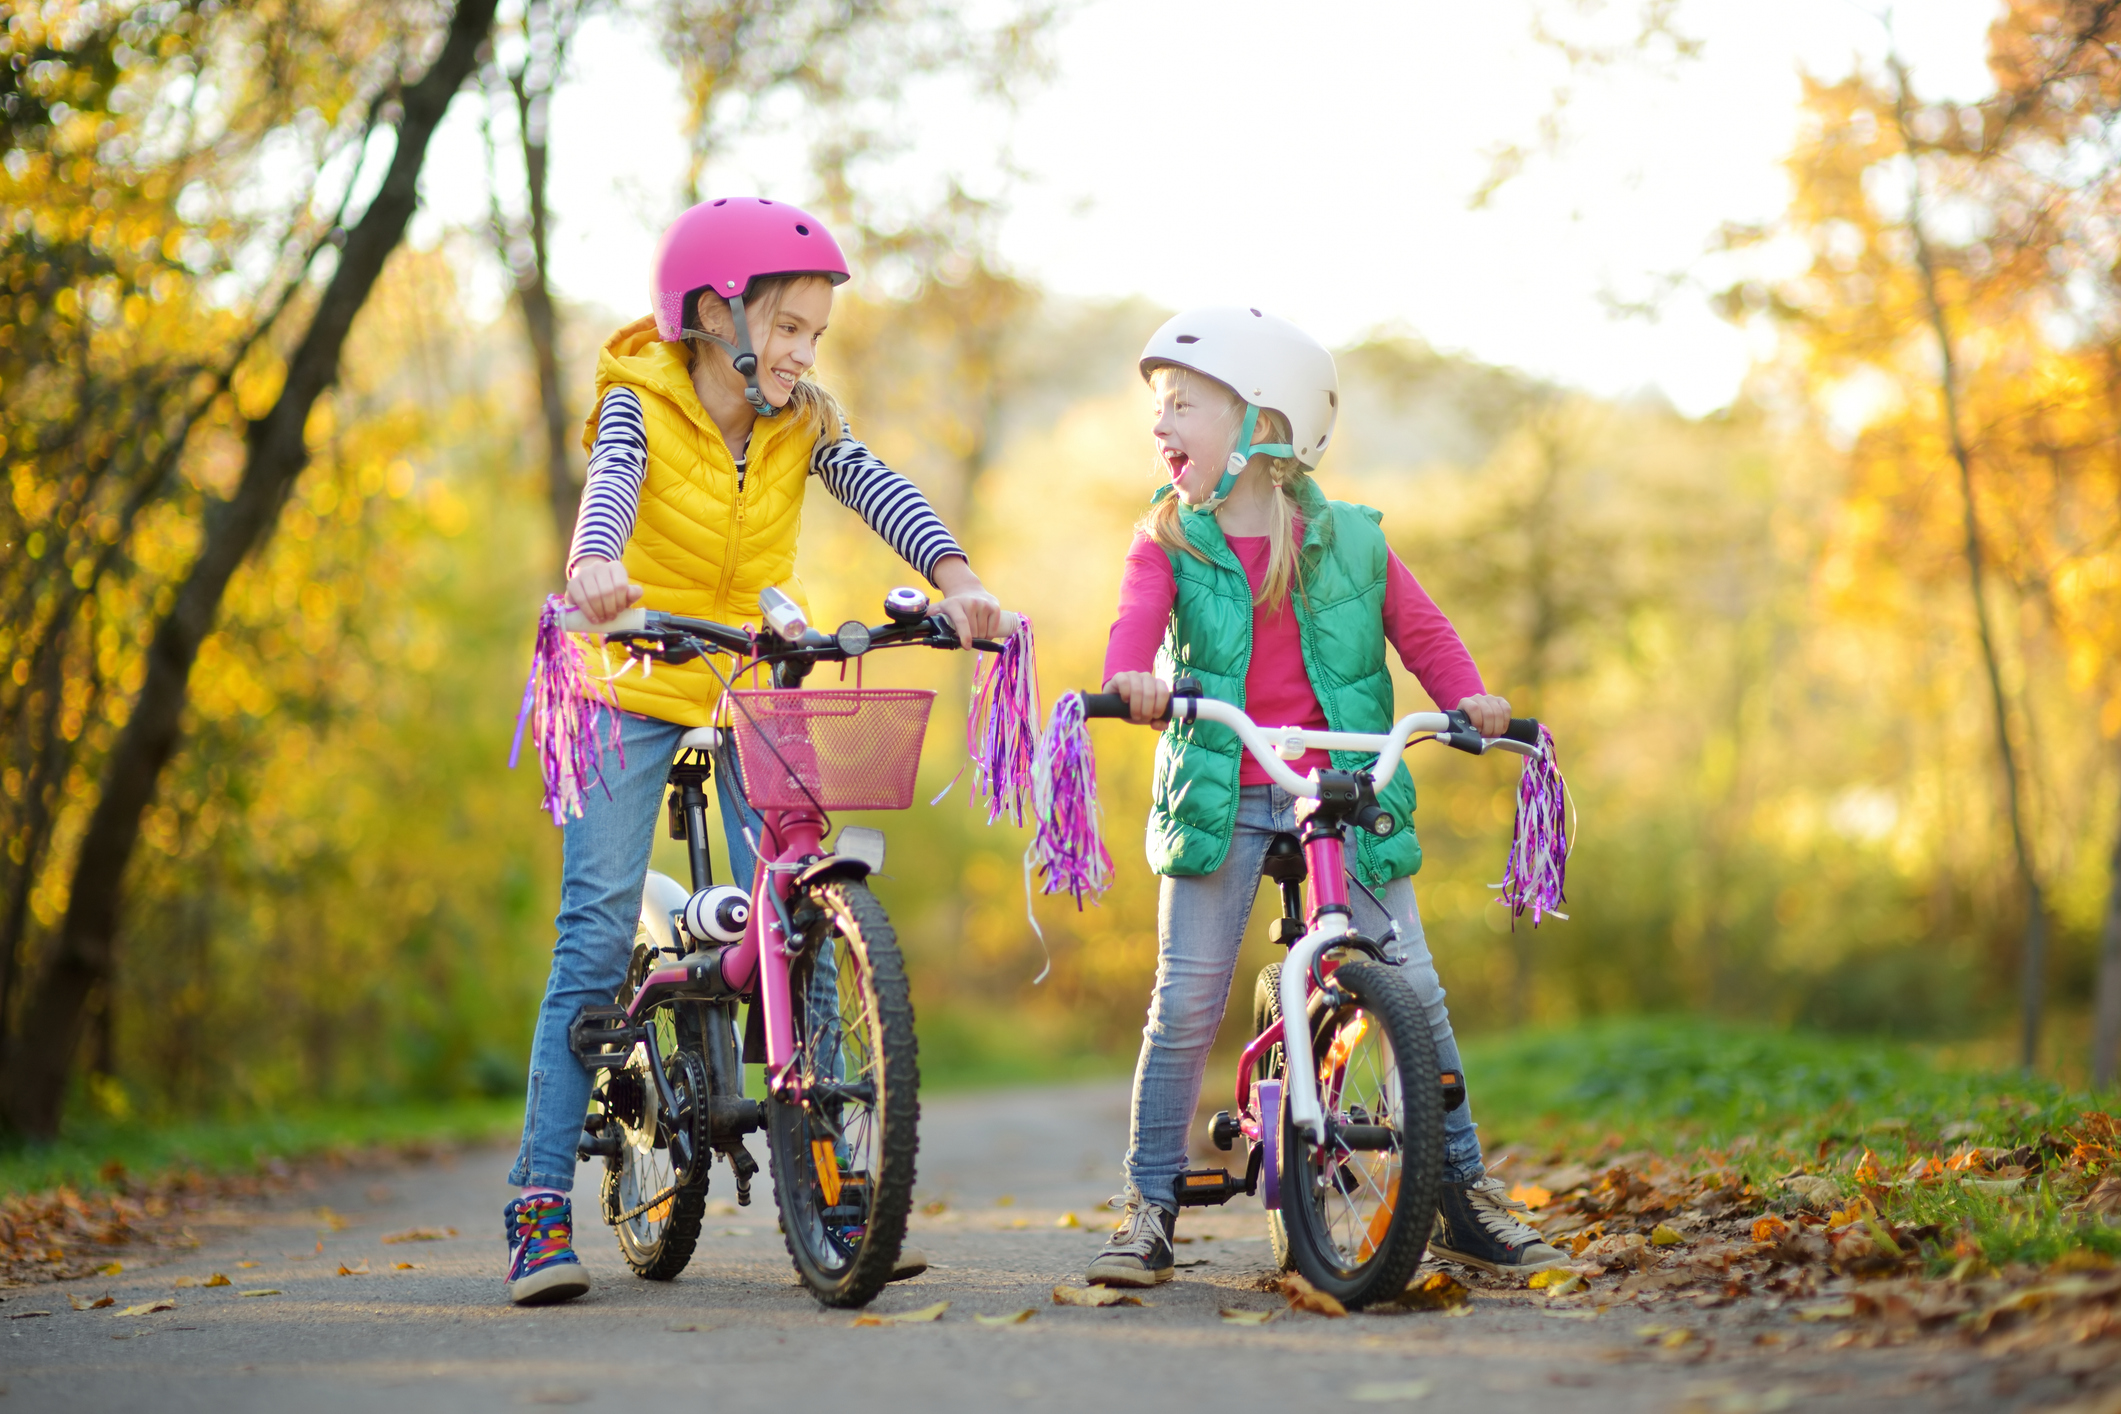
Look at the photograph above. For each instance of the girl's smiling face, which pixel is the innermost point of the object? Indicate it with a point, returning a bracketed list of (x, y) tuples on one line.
[(785, 328), (1196, 429)]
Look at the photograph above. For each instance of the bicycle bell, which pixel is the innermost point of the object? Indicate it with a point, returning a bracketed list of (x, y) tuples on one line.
[(905, 606), (718, 915)]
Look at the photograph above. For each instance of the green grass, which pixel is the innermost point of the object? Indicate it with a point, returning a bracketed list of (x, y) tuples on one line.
[(78, 1158), (1766, 1101)]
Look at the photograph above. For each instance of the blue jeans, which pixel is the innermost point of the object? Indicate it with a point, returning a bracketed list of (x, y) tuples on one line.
[(603, 863), (1200, 923)]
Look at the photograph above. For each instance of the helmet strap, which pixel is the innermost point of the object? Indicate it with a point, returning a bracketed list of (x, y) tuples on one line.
[(1242, 457), (741, 356)]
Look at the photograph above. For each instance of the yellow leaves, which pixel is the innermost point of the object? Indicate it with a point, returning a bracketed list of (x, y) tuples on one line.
[(1770, 1229), (358, 1270), (1234, 1316), (420, 1234), (1438, 1291), (147, 1308), (1558, 1281), (1665, 1235), (407, 1267), (1014, 1318), (215, 1280), (1531, 1195), (1301, 1295), (110, 1269), (904, 1318), (96, 1305), (1094, 1296), (1068, 1220), (245, 1266)]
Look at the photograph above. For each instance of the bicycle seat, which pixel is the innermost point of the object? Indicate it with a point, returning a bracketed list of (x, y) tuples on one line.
[(700, 739), (1284, 863)]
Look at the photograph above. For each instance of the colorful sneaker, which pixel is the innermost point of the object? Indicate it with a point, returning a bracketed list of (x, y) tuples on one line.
[(1477, 1224), (542, 1267), (1139, 1251)]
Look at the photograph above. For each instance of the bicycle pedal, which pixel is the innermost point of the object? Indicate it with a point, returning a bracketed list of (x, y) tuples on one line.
[(1201, 1187), (602, 1036)]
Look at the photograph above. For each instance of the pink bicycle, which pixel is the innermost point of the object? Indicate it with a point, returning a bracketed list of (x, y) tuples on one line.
[(1343, 1115), (808, 947)]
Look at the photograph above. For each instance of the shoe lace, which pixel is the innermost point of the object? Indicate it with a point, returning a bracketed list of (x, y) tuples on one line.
[(1139, 1231), (1497, 1211), (544, 1229)]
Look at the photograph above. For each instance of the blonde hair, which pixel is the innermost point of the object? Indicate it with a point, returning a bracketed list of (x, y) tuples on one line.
[(1290, 478), (814, 408)]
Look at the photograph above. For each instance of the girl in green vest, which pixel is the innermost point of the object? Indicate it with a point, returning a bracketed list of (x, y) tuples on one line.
[(704, 438), (1244, 576)]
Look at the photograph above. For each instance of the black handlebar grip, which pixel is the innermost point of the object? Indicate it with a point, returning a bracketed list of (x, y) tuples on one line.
[(1106, 704), (1524, 729)]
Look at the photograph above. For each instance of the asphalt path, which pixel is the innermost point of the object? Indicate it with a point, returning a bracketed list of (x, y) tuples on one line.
[(1013, 1186)]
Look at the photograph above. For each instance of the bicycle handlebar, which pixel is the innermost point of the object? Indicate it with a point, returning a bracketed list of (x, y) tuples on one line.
[(1275, 747), (932, 631)]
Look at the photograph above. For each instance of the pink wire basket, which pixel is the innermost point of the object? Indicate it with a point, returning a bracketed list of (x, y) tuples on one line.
[(846, 748)]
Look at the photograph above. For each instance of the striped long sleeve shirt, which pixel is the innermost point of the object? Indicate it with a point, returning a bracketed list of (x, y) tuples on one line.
[(618, 464)]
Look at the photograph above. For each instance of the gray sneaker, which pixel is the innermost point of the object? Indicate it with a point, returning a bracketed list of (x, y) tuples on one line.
[(1139, 1252), (1477, 1224)]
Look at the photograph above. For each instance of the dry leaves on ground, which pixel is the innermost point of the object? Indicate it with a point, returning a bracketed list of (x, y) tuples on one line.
[(1014, 1318), (1234, 1316), (1094, 1296), (1301, 1295), (420, 1234), (1436, 1291), (904, 1318)]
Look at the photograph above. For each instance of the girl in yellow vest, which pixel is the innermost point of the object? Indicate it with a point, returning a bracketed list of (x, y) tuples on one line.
[(705, 435)]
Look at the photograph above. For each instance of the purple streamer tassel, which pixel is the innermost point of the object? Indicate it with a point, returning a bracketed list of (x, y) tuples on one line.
[(1539, 842), (1068, 846), (564, 706), (1001, 735)]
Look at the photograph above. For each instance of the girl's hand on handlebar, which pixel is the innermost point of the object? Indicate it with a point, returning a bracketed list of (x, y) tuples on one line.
[(601, 589), (972, 611), (1148, 696), (1490, 714)]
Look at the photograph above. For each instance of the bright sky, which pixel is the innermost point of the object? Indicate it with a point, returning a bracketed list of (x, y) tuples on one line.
[(1313, 159)]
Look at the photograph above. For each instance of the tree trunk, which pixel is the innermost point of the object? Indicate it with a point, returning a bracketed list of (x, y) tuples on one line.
[(41, 1062), (2032, 980), (2106, 1036), (541, 318)]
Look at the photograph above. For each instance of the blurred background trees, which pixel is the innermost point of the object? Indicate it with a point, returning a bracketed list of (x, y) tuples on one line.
[(1753, 632)]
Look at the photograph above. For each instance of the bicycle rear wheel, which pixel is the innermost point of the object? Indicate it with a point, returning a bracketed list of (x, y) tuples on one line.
[(843, 1154), (1266, 1010), (1358, 1208), (655, 1185)]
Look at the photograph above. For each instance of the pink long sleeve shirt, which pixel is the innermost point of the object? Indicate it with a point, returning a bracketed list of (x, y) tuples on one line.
[(1277, 688)]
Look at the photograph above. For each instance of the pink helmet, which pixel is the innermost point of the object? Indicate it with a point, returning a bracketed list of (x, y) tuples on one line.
[(725, 244)]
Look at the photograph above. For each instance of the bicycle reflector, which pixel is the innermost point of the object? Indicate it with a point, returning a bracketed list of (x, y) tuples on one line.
[(718, 915)]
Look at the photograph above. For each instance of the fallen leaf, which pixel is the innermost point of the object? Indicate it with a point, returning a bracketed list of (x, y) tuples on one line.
[(1438, 1291), (1812, 1190), (1235, 1317), (1014, 1318), (904, 1318), (355, 1271), (1068, 1220), (26, 1315), (1302, 1296), (332, 1220), (1826, 1311), (934, 1210), (1094, 1296), (262, 1291), (1557, 1281), (1390, 1392), (245, 1266), (1007, 1200), (1672, 1340), (147, 1308), (217, 1279), (1531, 1195), (110, 1269), (1665, 1235), (407, 1267), (1770, 1230), (421, 1234)]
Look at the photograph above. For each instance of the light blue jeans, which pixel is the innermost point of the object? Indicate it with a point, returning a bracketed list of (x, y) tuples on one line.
[(1200, 923), (603, 863)]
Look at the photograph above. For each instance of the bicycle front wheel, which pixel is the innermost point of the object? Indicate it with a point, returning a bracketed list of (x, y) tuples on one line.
[(1358, 1207), (843, 1153)]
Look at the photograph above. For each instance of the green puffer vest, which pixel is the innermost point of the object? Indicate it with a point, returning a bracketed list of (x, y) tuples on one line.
[(1340, 614)]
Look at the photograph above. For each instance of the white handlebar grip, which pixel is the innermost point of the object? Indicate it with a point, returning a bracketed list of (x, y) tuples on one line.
[(625, 621)]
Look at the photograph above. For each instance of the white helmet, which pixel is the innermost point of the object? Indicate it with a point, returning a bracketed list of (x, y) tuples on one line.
[(1270, 362)]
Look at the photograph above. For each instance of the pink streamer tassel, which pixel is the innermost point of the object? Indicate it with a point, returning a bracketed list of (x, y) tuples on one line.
[(1539, 842), (1001, 735), (564, 706), (1068, 846)]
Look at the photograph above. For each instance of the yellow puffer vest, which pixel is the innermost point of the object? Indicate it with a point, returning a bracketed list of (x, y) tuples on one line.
[(700, 547)]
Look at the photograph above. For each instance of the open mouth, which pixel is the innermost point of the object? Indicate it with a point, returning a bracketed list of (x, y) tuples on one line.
[(787, 379), (1177, 462)]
